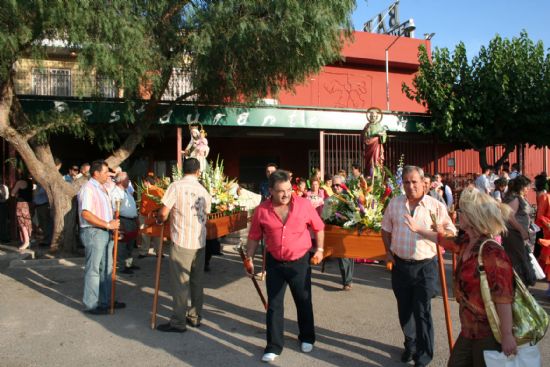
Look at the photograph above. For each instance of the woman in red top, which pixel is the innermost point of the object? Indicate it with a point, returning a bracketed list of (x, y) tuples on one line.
[(543, 221), (481, 218)]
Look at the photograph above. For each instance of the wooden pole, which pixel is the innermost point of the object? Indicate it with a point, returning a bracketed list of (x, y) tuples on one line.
[(444, 294), (115, 256), (157, 280), (254, 281)]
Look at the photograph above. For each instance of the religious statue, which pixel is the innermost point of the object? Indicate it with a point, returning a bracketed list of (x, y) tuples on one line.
[(198, 145), (374, 136)]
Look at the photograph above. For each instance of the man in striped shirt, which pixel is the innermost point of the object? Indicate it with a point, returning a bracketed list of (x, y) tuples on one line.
[(96, 222), (188, 204), (411, 245)]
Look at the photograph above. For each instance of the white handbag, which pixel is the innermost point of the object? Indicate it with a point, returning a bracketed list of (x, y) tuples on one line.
[(528, 356), (539, 273)]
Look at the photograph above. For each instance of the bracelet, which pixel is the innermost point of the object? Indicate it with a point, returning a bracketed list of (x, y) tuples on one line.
[(108, 225), (320, 249)]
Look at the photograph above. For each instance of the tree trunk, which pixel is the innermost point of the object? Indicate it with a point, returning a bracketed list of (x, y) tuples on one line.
[(483, 157), (64, 209)]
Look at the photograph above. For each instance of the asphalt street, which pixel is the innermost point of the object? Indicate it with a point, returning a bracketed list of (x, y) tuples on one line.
[(43, 324)]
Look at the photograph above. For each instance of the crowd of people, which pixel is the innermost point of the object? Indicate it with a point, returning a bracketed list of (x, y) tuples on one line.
[(492, 211)]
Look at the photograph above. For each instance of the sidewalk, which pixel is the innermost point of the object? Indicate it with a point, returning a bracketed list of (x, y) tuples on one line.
[(42, 323)]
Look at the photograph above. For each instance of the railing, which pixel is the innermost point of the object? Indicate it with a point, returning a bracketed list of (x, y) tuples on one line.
[(66, 82)]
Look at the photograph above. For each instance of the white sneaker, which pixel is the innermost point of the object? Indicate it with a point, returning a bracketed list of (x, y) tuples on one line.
[(307, 347), (269, 357)]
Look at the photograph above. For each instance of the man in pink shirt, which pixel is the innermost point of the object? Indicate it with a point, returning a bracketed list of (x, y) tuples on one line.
[(283, 221)]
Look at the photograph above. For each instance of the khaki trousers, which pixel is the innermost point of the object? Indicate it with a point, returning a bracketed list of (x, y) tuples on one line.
[(186, 278), (146, 240)]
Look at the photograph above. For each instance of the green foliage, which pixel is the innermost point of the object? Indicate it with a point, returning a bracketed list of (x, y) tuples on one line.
[(235, 50), (501, 97)]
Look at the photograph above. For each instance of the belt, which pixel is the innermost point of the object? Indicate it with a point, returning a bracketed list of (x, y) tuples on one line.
[(288, 261), (127, 218), (103, 229), (412, 261)]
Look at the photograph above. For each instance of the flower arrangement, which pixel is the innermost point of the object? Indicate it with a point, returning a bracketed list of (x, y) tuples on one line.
[(361, 207), (223, 190)]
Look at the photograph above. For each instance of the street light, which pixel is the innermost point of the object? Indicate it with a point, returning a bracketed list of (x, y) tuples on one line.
[(428, 36), (407, 28)]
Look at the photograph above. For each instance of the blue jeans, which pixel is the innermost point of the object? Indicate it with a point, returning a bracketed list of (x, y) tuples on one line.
[(98, 267)]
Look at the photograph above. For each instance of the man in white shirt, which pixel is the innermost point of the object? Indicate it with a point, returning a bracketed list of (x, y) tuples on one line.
[(482, 182), (128, 221), (4, 196)]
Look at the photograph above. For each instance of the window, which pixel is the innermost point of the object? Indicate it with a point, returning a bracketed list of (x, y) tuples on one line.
[(51, 82), (179, 84)]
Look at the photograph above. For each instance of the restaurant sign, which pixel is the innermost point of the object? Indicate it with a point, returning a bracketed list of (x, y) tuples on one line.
[(110, 112)]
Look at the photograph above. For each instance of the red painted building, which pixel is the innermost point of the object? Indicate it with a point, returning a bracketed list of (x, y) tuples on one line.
[(326, 113)]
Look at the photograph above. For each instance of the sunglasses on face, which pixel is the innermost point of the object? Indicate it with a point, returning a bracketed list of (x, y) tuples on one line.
[(335, 186)]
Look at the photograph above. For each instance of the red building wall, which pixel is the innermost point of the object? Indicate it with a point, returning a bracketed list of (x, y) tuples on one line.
[(359, 82)]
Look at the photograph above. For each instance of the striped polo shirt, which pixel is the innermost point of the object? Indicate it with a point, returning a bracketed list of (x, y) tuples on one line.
[(189, 205), (94, 198), (405, 243)]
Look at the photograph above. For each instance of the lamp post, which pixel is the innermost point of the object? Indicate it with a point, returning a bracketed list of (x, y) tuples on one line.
[(406, 28)]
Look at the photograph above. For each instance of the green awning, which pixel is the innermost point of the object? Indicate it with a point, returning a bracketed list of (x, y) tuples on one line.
[(106, 111)]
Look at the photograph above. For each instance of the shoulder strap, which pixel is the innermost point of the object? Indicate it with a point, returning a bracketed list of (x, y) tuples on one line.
[(479, 255)]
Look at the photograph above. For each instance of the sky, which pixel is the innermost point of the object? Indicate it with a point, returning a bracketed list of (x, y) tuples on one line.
[(473, 22)]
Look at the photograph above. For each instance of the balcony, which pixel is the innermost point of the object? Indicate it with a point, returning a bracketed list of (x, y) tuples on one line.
[(66, 80)]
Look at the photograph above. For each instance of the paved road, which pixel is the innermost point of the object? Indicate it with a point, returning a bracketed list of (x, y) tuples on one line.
[(42, 323)]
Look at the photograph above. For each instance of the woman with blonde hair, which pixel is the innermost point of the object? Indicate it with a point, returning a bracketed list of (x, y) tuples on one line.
[(481, 218)]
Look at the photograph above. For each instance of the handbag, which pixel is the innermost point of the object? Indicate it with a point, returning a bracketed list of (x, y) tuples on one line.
[(528, 356), (539, 273), (530, 321)]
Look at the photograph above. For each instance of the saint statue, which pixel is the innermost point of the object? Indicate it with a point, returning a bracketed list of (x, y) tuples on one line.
[(374, 136), (198, 145)]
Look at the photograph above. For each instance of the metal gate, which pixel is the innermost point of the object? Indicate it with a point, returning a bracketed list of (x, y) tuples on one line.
[(339, 151)]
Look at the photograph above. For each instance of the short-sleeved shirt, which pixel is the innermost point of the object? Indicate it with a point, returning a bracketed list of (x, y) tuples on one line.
[(409, 245), (286, 241), (189, 205), (498, 268), (127, 203), (94, 198), (483, 184)]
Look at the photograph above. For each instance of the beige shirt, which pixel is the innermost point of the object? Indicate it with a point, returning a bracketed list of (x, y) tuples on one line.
[(189, 205), (405, 243)]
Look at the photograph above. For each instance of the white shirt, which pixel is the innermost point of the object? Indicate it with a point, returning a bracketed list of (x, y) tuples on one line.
[(128, 207), (4, 193), (482, 184)]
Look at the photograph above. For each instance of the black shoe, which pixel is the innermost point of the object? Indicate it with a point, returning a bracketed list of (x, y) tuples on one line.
[(193, 323), (407, 356), (142, 256), (97, 311), (169, 328), (134, 267), (127, 271)]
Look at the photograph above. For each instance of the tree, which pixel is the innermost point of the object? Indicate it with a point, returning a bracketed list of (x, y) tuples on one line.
[(233, 50), (501, 97)]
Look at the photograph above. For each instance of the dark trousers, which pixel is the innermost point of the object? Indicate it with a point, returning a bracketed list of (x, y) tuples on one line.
[(413, 286), (213, 247), (346, 270), (4, 216), (469, 352), (297, 275)]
